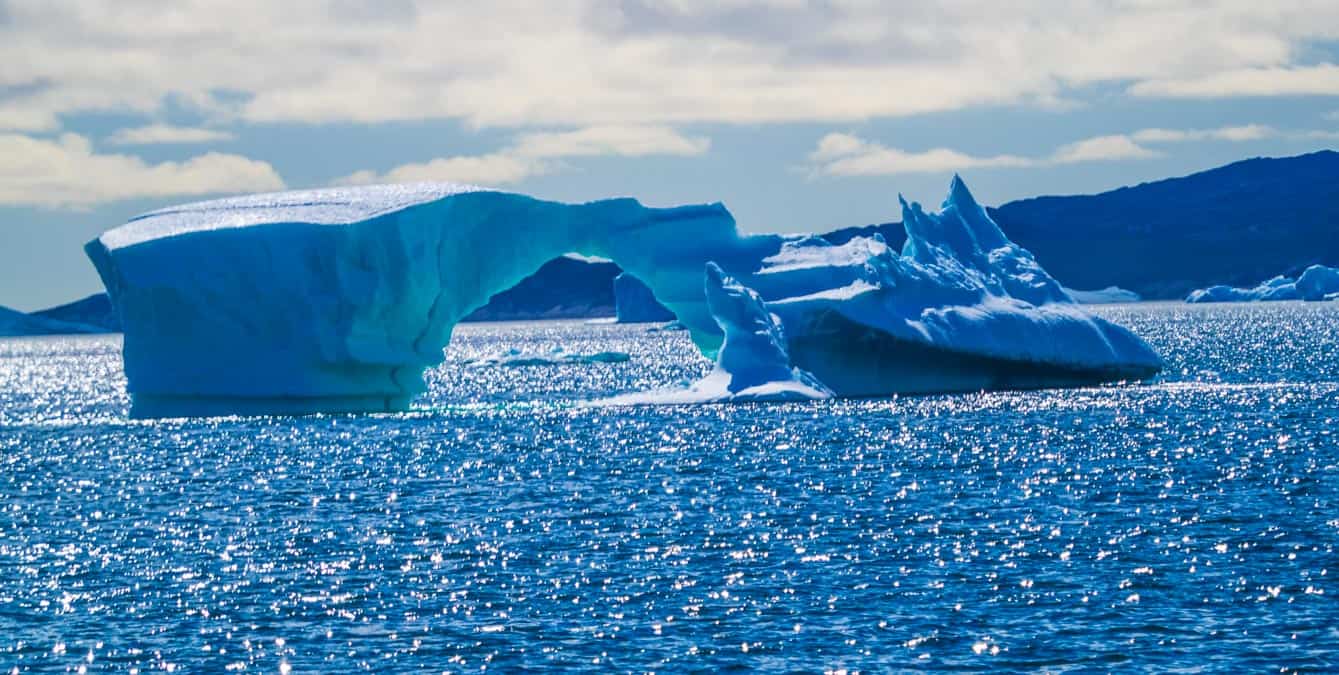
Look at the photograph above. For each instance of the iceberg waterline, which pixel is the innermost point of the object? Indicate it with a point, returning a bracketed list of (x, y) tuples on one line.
[(338, 299)]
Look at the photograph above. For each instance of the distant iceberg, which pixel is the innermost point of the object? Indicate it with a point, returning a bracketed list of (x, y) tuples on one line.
[(338, 299), (1316, 283), (1108, 295)]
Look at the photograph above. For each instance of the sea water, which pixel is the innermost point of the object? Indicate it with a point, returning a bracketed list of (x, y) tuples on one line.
[(1185, 523)]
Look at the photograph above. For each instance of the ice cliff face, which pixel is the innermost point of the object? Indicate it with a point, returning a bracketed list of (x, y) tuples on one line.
[(754, 363), (337, 300), (1316, 283)]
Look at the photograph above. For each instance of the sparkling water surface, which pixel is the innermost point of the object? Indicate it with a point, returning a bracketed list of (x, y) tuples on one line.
[(1188, 523)]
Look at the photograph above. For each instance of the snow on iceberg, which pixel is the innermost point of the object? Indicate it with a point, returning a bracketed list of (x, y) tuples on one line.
[(1316, 282), (338, 299), (960, 309)]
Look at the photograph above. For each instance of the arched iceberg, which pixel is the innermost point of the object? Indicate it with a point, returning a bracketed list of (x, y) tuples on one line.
[(338, 299)]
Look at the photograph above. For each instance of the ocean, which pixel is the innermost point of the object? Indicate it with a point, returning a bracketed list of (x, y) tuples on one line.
[(506, 523)]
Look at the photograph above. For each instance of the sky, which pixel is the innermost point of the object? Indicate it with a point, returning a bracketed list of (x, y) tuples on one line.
[(799, 116)]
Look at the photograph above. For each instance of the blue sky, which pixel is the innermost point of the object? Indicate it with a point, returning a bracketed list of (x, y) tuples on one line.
[(797, 115)]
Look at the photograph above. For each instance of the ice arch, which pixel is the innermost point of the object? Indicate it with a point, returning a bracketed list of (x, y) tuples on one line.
[(338, 299)]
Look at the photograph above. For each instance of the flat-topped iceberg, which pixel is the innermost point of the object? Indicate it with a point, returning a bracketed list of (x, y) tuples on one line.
[(339, 299), (1316, 283)]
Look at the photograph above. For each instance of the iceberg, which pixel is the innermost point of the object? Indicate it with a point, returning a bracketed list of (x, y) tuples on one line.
[(960, 308), (338, 299), (635, 303), (1316, 283), (753, 363), (1108, 295)]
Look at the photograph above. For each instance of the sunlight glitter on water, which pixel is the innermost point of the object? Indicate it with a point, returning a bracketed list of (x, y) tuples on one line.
[(1184, 523)]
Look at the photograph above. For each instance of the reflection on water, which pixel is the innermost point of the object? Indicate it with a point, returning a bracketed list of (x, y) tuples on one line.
[(1187, 523)]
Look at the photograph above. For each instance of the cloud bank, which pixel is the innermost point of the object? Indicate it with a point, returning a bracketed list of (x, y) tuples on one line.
[(841, 154), (67, 172), (587, 63), (537, 153)]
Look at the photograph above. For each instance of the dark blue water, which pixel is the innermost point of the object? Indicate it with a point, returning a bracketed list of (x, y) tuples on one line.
[(1189, 523)]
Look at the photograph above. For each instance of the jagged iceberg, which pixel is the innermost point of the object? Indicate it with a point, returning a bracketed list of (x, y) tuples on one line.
[(961, 308), (1316, 283), (753, 363), (338, 299)]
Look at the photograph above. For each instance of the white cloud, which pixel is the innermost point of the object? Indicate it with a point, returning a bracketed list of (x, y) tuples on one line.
[(585, 63), (67, 172), (1247, 132), (839, 154), (1100, 149), (491, 169), (624, 141), (535, 154), (163, 133), (20, 118), (847, 155), (1316, 80)]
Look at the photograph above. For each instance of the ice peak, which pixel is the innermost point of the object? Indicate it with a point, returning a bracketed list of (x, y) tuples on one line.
[(962, 228), (959, 195)]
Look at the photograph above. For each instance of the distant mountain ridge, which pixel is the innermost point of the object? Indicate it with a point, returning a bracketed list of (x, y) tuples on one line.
[(1237, 224), (14, 323), (562, 288), (95, 311)]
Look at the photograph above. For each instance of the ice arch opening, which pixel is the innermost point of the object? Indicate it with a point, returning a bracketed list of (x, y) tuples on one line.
[(338, 300)]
